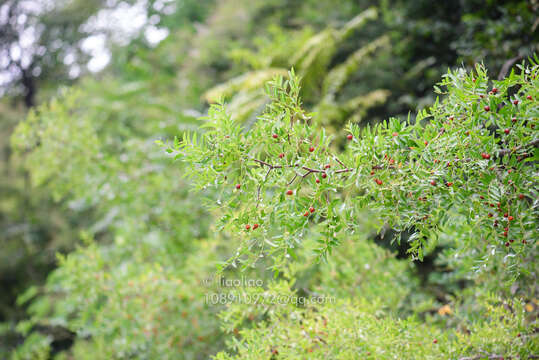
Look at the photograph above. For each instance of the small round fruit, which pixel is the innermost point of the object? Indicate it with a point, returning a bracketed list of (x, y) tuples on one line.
[(449, 184), (324, 175), (281, 155), (494, 90), (311, 209), (306, 214), (426, 143), (238, 186), (378, 181), (275, 136), (317, 180), (433, 182), (515, 102), (510, 218), (289, 192), (507, 244), (247, 227), (514, 120), (255, 226), (435, 341), (505, 233), (327, 166), (487, 108), (395, 134), (505, 215), (529, 97), (350, 136), (521, 196), (311, 149), (506, 131)]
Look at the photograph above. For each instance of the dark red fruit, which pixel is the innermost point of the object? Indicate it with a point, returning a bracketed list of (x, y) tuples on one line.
[(510, 218), (490, 215), (494, 90), (324, 175), (275, 136), (238, 186), (467, 133), (435, 341), (505, 215), (433, 182), (514, 120), (505, 233), (311, 149), (426, 143), (281, 155), (487, 108), (306, 213), (317, 180), (327, 166), (247, 227), (521, 196), (289, 192), (372, 172), (378, 181), (515, 102), (507, 244), (451, 118), (255, 226), (350, 137), (448, 184), (311, 209), (485, 156), (481, 197), (395, 134), (506, 131), (529, 97)]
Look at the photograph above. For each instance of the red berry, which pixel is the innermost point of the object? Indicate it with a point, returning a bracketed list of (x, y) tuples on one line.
[(448, 184), (378, 181), (247, 227), (255, 226), (510, 218), (524, 241), (238, 186), (485, 156), (350, 137), (529, 97), (507, 244), (481, 197), (506, 131), (426, 143), (505, 229), (311, 149), (490, 215), (451, 118), (324, 175), (505, 233), (505, 215), (435, 341), (474, 79), (512, 241), (306, 213), (514, 120), (372, 172), (521, 196), (289, 192), (395, 134), (433, 182), (275, 136), (467, 133), (327, 166), (311, 209), (494, 90), (515, 102), (281, 155), (317, 180), (487, 108)]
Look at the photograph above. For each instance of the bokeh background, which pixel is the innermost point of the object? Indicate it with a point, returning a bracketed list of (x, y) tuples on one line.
[(134, 71)]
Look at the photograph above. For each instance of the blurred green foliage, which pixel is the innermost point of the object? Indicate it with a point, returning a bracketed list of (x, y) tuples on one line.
[(86, 167)]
